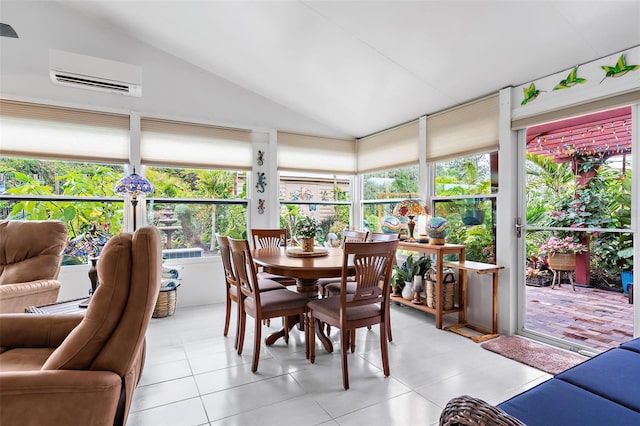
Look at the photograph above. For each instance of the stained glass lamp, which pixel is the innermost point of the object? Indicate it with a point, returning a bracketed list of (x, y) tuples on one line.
[(134, 185), (411, 207), (89, 244)]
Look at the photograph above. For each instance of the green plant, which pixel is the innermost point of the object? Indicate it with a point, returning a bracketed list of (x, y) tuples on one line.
[(409, 269), (306, 227), (556, 245)]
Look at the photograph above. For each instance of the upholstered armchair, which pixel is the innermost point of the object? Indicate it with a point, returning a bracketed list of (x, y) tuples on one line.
[(83, 370), (30, 258)]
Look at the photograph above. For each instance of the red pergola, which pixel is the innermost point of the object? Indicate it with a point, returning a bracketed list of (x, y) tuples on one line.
[(603, 134), (595, 136)]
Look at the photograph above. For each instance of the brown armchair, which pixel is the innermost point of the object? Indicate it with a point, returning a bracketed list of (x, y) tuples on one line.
[(30, 258), (82, 370)]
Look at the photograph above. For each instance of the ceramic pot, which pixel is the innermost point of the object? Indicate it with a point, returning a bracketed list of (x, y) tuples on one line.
[(407, 291)]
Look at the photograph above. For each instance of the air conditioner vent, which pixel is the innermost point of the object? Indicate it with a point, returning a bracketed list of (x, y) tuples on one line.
[(66, 78), (80, 71)]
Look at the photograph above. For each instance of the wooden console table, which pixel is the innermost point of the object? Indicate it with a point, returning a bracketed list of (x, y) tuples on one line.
[(479, 268), (439, 251)]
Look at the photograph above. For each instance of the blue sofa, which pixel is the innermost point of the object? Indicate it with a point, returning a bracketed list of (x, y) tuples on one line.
[(604, 390)]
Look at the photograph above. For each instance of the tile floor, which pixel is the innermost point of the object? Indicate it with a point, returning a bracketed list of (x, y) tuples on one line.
[(194, 377)]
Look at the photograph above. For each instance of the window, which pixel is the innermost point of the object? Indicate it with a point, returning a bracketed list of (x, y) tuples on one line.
[(326, 198), (465, 191), (190, 205), (381, 192), (79, 194)]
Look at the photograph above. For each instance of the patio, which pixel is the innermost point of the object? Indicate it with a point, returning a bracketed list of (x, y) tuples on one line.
[(589, 316)]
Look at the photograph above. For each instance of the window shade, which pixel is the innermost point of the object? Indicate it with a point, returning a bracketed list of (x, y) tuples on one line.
[(171, 143), (315, 154), (465, 130), (49, 132), (396, 147), (577, 110)]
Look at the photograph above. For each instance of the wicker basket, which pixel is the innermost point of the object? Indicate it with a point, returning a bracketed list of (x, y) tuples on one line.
[(448, 289), (166, 303), (562, 261)]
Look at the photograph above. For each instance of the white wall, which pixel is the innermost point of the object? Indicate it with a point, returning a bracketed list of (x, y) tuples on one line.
[(202, 281)]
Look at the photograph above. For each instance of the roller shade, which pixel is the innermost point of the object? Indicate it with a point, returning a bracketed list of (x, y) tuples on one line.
[(577, 110), (172, 143), (462, 131), (49, 132), (396, 147), (316, 154)]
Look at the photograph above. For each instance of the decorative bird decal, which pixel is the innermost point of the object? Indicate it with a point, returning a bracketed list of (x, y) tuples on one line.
[(620, 69), (571, 80), (530, 93)]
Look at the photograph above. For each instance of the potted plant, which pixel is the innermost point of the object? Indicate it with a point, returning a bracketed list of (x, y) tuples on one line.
[(305, 230), (626, 268), (405, 274), (561, 252)]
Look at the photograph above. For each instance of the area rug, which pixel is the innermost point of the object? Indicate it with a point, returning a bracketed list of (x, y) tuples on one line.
[(537, 355)]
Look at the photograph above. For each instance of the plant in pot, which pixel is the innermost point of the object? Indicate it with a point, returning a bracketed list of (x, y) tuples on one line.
[(626, 268), (305, 230), (561, 252), (406, 273)]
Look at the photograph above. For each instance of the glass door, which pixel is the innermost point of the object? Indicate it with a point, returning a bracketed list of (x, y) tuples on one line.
[(577, 241)]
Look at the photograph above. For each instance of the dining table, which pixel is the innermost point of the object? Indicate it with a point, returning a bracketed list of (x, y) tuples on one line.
[(306, 269)]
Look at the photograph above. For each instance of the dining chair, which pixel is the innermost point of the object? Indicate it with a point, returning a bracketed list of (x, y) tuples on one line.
[(348, 236), (260, 305), (231, 284), (368, 306), (333, 289), (263, 238)]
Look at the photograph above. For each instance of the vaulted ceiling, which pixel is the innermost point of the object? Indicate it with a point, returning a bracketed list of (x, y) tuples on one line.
[(358, 67)]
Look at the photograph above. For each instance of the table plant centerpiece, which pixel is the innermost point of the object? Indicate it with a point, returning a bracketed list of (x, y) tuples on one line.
[(305, 230)]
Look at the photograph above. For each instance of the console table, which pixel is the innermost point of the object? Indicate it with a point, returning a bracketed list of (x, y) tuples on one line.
[(439, 250)]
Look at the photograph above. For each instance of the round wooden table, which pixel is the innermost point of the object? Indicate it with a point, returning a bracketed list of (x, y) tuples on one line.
[(306, 271)]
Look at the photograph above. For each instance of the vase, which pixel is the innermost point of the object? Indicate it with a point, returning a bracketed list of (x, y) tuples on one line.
[(307, 244), (407, 291), (562, 261)]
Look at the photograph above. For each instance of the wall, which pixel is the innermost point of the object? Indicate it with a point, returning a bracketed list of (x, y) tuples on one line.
[(202, 282)]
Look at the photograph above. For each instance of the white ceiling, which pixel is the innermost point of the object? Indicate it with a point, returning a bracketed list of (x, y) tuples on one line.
[(362, 66)]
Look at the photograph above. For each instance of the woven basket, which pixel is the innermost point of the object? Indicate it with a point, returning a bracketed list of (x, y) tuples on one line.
[(448, 289), (562, 261), (166, 304)]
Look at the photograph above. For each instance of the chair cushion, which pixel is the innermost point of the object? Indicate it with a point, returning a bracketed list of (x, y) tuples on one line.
[(330, 307), (277, 300), (83, 344), (632, 345), (556, 402), (608, 375), (24, 359), (268, 285), (333, 289)]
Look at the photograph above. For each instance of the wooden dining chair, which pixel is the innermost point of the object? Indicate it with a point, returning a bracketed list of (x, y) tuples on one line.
[(348, 236), (260, 305), (231, 284), (333, 289), (263, 238), (366, 307)]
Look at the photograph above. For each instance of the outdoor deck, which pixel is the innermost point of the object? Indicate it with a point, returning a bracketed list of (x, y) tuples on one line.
[(596, 318)]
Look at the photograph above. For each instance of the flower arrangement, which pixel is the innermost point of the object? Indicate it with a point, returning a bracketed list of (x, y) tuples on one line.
[(562, 245), (306, 227)]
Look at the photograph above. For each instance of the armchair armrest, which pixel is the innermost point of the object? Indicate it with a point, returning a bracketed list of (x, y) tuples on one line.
[(15, 297), (59, 397), (36, 331), (465, 410)]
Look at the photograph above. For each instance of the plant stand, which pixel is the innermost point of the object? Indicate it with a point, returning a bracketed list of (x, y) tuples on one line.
[(557, 275)]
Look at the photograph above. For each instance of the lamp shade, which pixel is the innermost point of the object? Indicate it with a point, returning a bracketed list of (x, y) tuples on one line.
[(410, 207), (133, 184)]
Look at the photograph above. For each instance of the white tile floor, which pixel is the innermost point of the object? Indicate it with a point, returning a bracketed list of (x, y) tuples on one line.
[(193, 376)]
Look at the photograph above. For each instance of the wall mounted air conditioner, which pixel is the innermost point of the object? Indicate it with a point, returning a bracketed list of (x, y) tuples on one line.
[(81, 71)]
